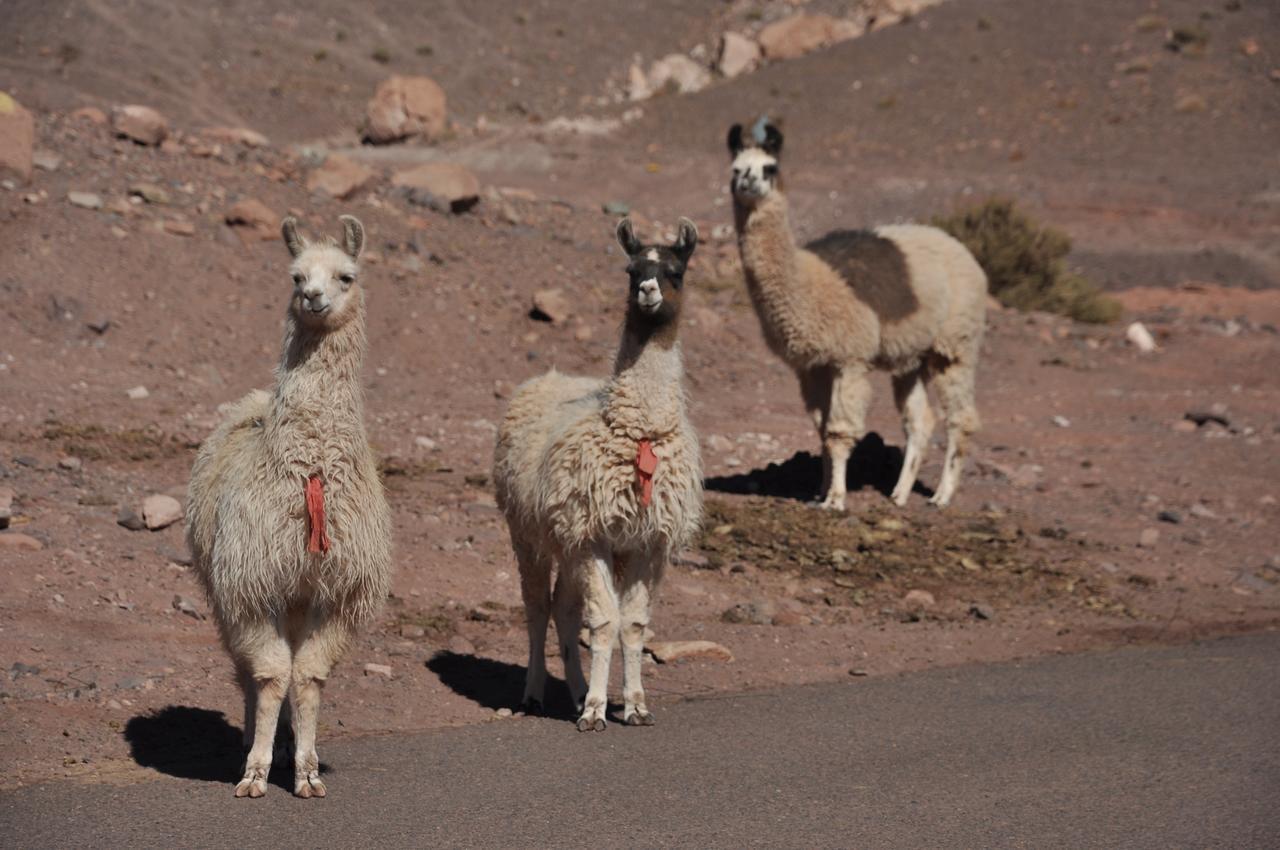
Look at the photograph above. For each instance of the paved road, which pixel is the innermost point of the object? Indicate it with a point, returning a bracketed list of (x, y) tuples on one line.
[(1154, 748)]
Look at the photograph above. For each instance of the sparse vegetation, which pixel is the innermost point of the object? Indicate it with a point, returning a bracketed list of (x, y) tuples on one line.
[(1026, 262), (381, 55)]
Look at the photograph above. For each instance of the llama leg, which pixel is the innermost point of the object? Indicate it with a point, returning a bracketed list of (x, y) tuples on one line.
[(917, 420), (634, 610), (846, 423), (954, 385), (602, 620), (815, 389), (325, 642), (250, 692), (567, 607), (264, 652), (535, 587)]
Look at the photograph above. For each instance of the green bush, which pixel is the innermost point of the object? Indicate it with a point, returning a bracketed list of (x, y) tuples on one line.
[(1026, 263)]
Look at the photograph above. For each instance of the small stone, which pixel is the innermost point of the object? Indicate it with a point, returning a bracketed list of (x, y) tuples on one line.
[(85, 200), (90, 114), (669, 652), (409, 630), (339, 176), (1140, 338), (236, 135), (149, 192), (1217, 414), (982, 611), (857, 672), (160, 511), (129, 519), (6, 506), (186, 606), (1062, 421), (1189, 103), (459, 645), (551, 305), (253, 219), (918, 600), (789, 618), (1202, 511), (503, 712), (383, 670), (616, 208), (142, 124), (99, 325), (738, 55), (693, 560), (677, 72), (1148, 538), (425, 443), (137, 393), (71, 464), (14, 540), (1185, 426), (751, 613), (970, 565), (1171, 517), (179, 227), (46, 160)]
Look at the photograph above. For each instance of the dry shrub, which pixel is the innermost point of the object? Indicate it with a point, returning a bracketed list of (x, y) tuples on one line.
[(1026, 263)]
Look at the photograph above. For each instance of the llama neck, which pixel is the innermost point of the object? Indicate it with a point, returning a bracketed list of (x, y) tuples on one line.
[(769, 260), (645, 397), (318, 406)]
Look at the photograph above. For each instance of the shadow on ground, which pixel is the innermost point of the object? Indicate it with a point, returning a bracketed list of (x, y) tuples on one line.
[(872, 464), (198, 743), (497, 684)]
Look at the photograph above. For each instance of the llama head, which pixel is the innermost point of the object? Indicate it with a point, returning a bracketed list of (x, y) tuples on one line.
[(324, 274), (755, 161), (656, 273)]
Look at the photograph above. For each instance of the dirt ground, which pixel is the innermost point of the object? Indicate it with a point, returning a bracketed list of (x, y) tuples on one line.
[(1113, 496)]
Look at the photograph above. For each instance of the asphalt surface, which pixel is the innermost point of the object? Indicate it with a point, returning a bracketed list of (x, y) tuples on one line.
[(1167, 747)]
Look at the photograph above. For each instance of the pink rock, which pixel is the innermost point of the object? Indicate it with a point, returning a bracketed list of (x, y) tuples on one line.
[(14, 540), (340, 177), (140, 123), (671, 651), (453, 185), (17, 137), (804, 33), (403, 107)]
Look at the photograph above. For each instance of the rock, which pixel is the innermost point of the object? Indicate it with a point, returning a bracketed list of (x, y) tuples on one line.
[(14, 540), (409, 630), (678, 73), (179, 227), (1171, 517), (803, 33), (671, 651), (857, 672), (1185, 426), (615, 208), (752, 613), (692, 559), (425, 443), (17, 138), (459, 645), (1189, 103), (789, 618), (444, 186), (186, 606), (253, 219), (85, 200), (137, 393), (1202, 511), (236, 135), (6, 506), (149, 192), (738, 55), (503, 713), (383, 670), (90, 114), (71, 464), (1216, 414), (46, 160), (918, 600), (142, 124), (1148, 538), (339, 176), (637, 83), (1140, 338), (129, 518), (160, 511), (551, 305), (982, 611), (1061, 421), (403, 107)]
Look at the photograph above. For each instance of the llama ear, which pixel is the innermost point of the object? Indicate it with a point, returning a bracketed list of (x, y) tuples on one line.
[(735, 139), (627, 238), (686, 239), (772, 144), (352, 235), (292, 241)]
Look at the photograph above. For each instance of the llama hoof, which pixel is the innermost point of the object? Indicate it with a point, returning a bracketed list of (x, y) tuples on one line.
[(531, 706), (939, 503), (640, 718), (592, 720), (254, 783), (832, 503), (309, 785)]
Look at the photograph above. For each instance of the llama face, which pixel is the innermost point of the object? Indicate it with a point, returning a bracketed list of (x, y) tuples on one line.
[(656, 272), (324, 275), (755, 162)]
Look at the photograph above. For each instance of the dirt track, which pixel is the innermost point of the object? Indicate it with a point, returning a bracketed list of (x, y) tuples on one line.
[(1171, 205)]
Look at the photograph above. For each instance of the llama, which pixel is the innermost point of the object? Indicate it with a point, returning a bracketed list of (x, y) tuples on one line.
[(907, 299), (603, 481), (288, 526)]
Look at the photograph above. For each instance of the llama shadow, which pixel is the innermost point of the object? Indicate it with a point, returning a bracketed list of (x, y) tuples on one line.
[(872, 464), (497, 684), (196, 743)]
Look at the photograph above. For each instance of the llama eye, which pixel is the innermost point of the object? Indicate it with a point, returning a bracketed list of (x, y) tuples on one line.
[(347, 279), (299, 279), (771, 171)]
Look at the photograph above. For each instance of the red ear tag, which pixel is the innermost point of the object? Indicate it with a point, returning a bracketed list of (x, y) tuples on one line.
[(318, 538), (646, 465)]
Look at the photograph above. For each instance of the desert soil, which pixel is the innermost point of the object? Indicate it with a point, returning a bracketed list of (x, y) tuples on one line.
[(1113, 496)]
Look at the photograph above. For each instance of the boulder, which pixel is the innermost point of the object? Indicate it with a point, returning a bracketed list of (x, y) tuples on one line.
[(445, 186), (17, 138), (405, 106), (738, 55), (804, 33), (143, 124), (339, 176)]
